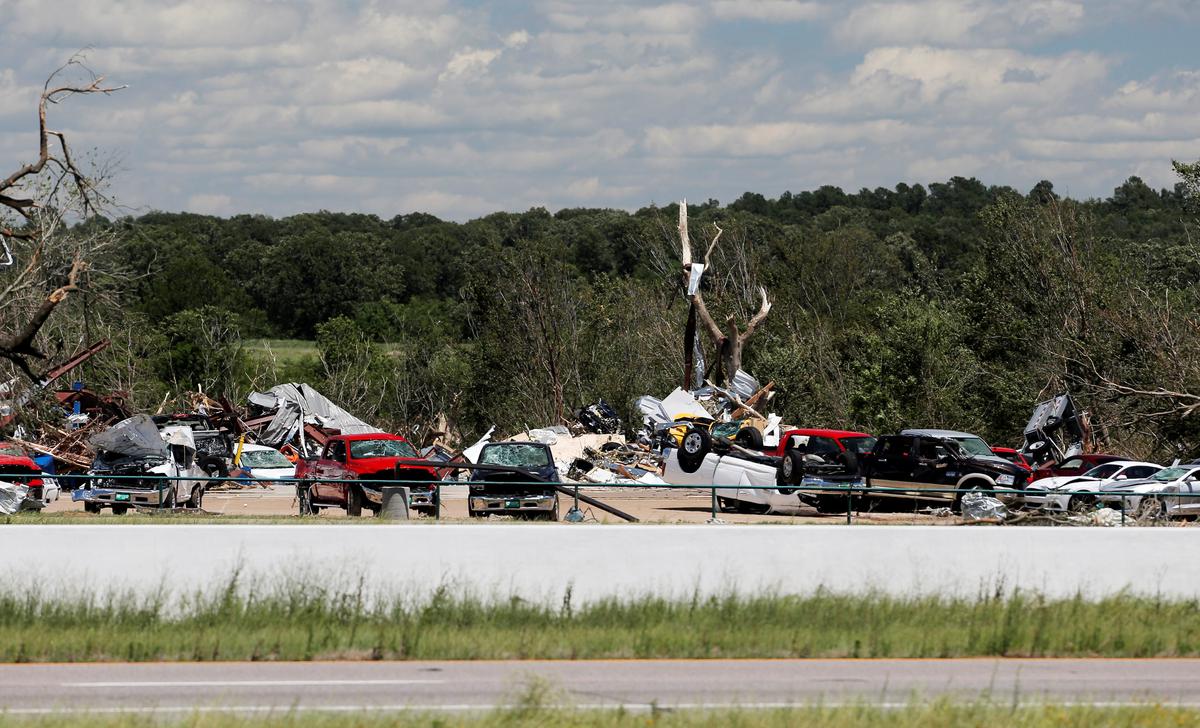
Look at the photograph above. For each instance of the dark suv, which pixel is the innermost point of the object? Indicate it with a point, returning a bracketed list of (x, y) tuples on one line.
[(939, 466)]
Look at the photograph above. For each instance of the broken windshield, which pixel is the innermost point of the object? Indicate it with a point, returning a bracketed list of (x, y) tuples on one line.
[(974, 446), (516, 454), (264, 459), (381, 449)]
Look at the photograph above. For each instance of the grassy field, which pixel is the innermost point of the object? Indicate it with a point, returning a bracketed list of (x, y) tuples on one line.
[(531, 715), (301, 622)]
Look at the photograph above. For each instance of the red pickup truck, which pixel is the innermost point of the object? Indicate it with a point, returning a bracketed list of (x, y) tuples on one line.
[(373, 456)]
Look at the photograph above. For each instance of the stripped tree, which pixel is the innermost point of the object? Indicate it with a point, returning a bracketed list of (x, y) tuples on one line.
[(730, 341), (37, 203)]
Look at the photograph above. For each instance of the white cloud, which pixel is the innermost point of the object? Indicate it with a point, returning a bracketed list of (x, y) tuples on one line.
[(780, 11), (959, 22)]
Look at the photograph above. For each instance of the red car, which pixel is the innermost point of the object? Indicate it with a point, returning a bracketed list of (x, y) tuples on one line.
[(824, 442), (17, 467), (372, 456), (1076, 465), (1013, 456)]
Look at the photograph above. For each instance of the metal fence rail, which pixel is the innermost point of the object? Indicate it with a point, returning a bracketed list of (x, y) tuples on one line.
[(82, 483)]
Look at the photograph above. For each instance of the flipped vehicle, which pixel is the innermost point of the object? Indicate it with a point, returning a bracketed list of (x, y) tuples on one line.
[(139, 465), (369, 456), (1072, 493), (526, 491), (938, 466), (259, 462), (1173, 491)]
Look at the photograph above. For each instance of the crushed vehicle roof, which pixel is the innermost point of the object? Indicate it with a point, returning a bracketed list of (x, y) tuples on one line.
[(938, 433), (369, 436), (822, 432)]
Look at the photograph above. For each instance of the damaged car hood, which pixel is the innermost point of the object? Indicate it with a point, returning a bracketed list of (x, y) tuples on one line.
[(137, 436)]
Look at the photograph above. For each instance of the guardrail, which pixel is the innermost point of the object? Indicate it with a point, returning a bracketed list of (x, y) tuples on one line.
[(946, 495)]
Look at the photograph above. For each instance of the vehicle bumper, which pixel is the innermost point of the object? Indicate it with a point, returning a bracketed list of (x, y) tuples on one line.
[(513, 504), (423, 498), (1047, 500), (121, 497)]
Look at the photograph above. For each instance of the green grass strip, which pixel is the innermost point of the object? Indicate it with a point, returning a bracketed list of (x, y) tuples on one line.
[(934, 715), (302, 622)]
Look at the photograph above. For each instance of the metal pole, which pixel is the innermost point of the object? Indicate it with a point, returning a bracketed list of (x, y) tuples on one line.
[(1122, 510), (849, 504), (714, 504), (437, 501)]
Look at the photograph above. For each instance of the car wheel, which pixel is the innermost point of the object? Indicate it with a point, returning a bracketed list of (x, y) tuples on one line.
[(756, 509), (196, 502), (696, 444), (1150, 508), (92, 507), (1081, 503), (306, 504), (727, 505), (119, 510), (967, 487), (168, 500), (790, 472), (831, 503), (354, 501), (750, 438)]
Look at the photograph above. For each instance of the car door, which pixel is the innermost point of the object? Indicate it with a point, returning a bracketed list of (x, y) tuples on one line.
[(935, 469), (1189, 489), (329, 469), (892, 464)]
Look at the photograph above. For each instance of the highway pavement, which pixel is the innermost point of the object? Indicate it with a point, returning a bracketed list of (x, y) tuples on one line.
[(260, 687)]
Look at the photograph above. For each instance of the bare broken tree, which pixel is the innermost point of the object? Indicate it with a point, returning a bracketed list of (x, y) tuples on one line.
[(38, 200), (730, 342)]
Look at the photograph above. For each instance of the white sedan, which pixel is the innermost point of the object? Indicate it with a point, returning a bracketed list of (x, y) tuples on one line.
[(1173, 491), (1073, 493), (260, 462), (748, 486)]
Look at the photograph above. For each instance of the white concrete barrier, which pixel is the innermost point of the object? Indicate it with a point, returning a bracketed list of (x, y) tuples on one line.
[(540, 562)]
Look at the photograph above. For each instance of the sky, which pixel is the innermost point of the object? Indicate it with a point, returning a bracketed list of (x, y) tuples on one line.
[(462, 107)]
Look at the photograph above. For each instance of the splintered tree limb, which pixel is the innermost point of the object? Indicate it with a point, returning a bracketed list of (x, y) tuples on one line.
[(21, 344), (763, 310)]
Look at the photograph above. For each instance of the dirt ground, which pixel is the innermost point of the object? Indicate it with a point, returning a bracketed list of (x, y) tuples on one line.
[(648, 505)]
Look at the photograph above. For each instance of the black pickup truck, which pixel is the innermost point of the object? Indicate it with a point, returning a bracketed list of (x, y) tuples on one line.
[(524, 487)]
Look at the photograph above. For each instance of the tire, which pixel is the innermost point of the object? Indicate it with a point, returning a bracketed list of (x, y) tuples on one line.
[(553, 514), (831, 503), (1081, 503), (756, 509), (970, 485), (726, 505), (1151, 508), (214, 467), (790, 472), (119, 510), (750, 438), (354, 501), (92, 507), (304, 495), (196, 501), (696, 444), (168, 501)]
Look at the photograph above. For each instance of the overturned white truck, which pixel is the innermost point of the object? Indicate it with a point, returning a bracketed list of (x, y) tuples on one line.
[(139, 465)]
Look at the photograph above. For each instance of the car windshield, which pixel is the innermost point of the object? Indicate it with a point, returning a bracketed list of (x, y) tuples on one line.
[(974, 446), (264, 459), (12, 449), (858, 445), (381, 449), (1103, 471), (518, 455), (1168, 474)]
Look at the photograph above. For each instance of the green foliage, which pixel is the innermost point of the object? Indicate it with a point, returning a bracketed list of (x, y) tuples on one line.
[(955, 304)]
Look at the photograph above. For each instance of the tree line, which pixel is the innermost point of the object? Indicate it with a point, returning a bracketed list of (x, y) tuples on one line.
[(955, 304)]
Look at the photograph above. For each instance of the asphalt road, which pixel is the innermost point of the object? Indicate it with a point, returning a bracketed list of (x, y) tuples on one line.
[(349, 686)]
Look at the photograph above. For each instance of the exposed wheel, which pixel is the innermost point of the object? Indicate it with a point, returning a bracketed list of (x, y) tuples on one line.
[(553, 515), (757, 509), (726, 505), (168, 499), (354, 501), (119, 510), (697, 443), (197, 500), (790, 472), (1081, 503), (750, 438), (91, 507)]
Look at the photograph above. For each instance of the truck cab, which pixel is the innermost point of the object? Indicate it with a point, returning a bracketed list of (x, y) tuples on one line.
[(939, 466)]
